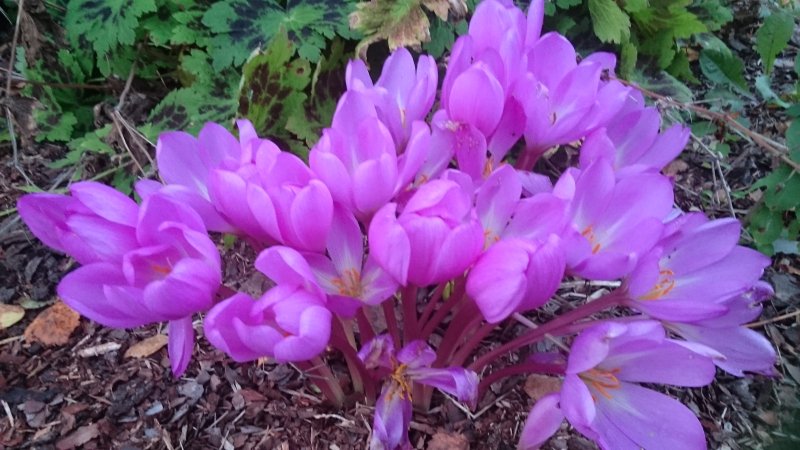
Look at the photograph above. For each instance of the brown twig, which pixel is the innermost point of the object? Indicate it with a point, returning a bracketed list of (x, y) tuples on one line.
[(7, 93), (777, 149), (774, 319)]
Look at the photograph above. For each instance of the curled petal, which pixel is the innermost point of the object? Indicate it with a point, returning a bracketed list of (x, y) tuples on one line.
[(181, 344)]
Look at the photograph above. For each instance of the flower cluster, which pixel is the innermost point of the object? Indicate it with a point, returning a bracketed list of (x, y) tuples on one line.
[(438, 214)]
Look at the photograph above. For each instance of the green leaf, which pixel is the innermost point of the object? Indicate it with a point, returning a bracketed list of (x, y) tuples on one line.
[(628, 55), (763, 88), (773, 36), (54, 126), (273, 86), (611, 24), (566, 4), (633, 6), (713, 13), (680, 69), (765, 227), (797, 65), (664, 84), (104, 24), (442, 38), (786, 194), (241, 26), (724, 68), (93, 141), (188, 109), (793, 140)]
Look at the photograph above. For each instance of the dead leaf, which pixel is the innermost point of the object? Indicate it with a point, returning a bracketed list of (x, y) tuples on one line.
[(53, 325), (10, 314), (675, 167), (81, 436), (147, 347), (537, 386), (448, 441)]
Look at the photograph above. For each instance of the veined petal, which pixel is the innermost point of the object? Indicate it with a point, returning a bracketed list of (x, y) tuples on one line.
[(543, 421), (181, 344)]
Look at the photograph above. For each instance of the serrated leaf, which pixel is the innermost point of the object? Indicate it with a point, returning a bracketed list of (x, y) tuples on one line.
[(610, 23), (773, 36), (188, 109), (713, 13), (105, 24), (724, 68), (241, 26), (680, 69), (54, 126), (273, 86)]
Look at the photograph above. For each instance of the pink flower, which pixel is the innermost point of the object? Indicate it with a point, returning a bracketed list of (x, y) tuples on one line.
[(435, 237)]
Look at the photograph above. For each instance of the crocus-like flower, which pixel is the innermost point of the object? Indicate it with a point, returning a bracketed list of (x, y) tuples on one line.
[(601, 399), (435, 237), (357, 160), (740, 348), (692, 269), (96, 223), (166, 270), (185, 164), (412, 364), (275, 200), (288, 323), (402, 95), (632, 142), (614, 223)]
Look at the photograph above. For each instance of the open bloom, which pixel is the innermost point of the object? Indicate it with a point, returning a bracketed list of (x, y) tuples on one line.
[(693, 269), (631, 141), (601, 398), (740, 348), (167, 270), (435, 237), (412, 364), (613, 222)]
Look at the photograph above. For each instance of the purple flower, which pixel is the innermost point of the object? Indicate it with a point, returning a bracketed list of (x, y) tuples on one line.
[(435, 237), (613, 222), (695, 266), (601, 398), (344, 277), (287, 323), (357, 160), (740, 349), (631, 141), (169, 270), (412, 364), (97, 223), (277, 199), (403, 94), (185, 163)]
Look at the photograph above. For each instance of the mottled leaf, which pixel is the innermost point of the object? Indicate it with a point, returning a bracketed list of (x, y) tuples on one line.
[(103, 24), (241, 26)]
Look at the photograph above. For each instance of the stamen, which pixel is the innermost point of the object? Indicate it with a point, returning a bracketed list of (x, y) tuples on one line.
[(349, 284), (665, 284), (588, 233), (402, 382), (601, 381)]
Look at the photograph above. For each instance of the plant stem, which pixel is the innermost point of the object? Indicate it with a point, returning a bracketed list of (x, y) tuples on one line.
[(324, 380), (391, 321), (612, 299), (472, 343), (433, 300), (342, 340), (454, 299), (410, 325), (526, 367), (365, 329)]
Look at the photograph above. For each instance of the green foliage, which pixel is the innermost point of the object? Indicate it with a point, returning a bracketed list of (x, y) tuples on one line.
[(781, 200), (722, 67), (104, 24), (273, 85), (773, 36), (241, 26), (610, 23)]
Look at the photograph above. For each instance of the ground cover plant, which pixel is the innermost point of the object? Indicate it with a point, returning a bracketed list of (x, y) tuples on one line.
[(427, 217)]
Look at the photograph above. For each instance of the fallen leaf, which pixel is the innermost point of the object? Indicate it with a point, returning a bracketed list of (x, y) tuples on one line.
[(448, 441), (53, 325), (675, 167), (537, 386), (81, 436), (10, 314), (147, 347)]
